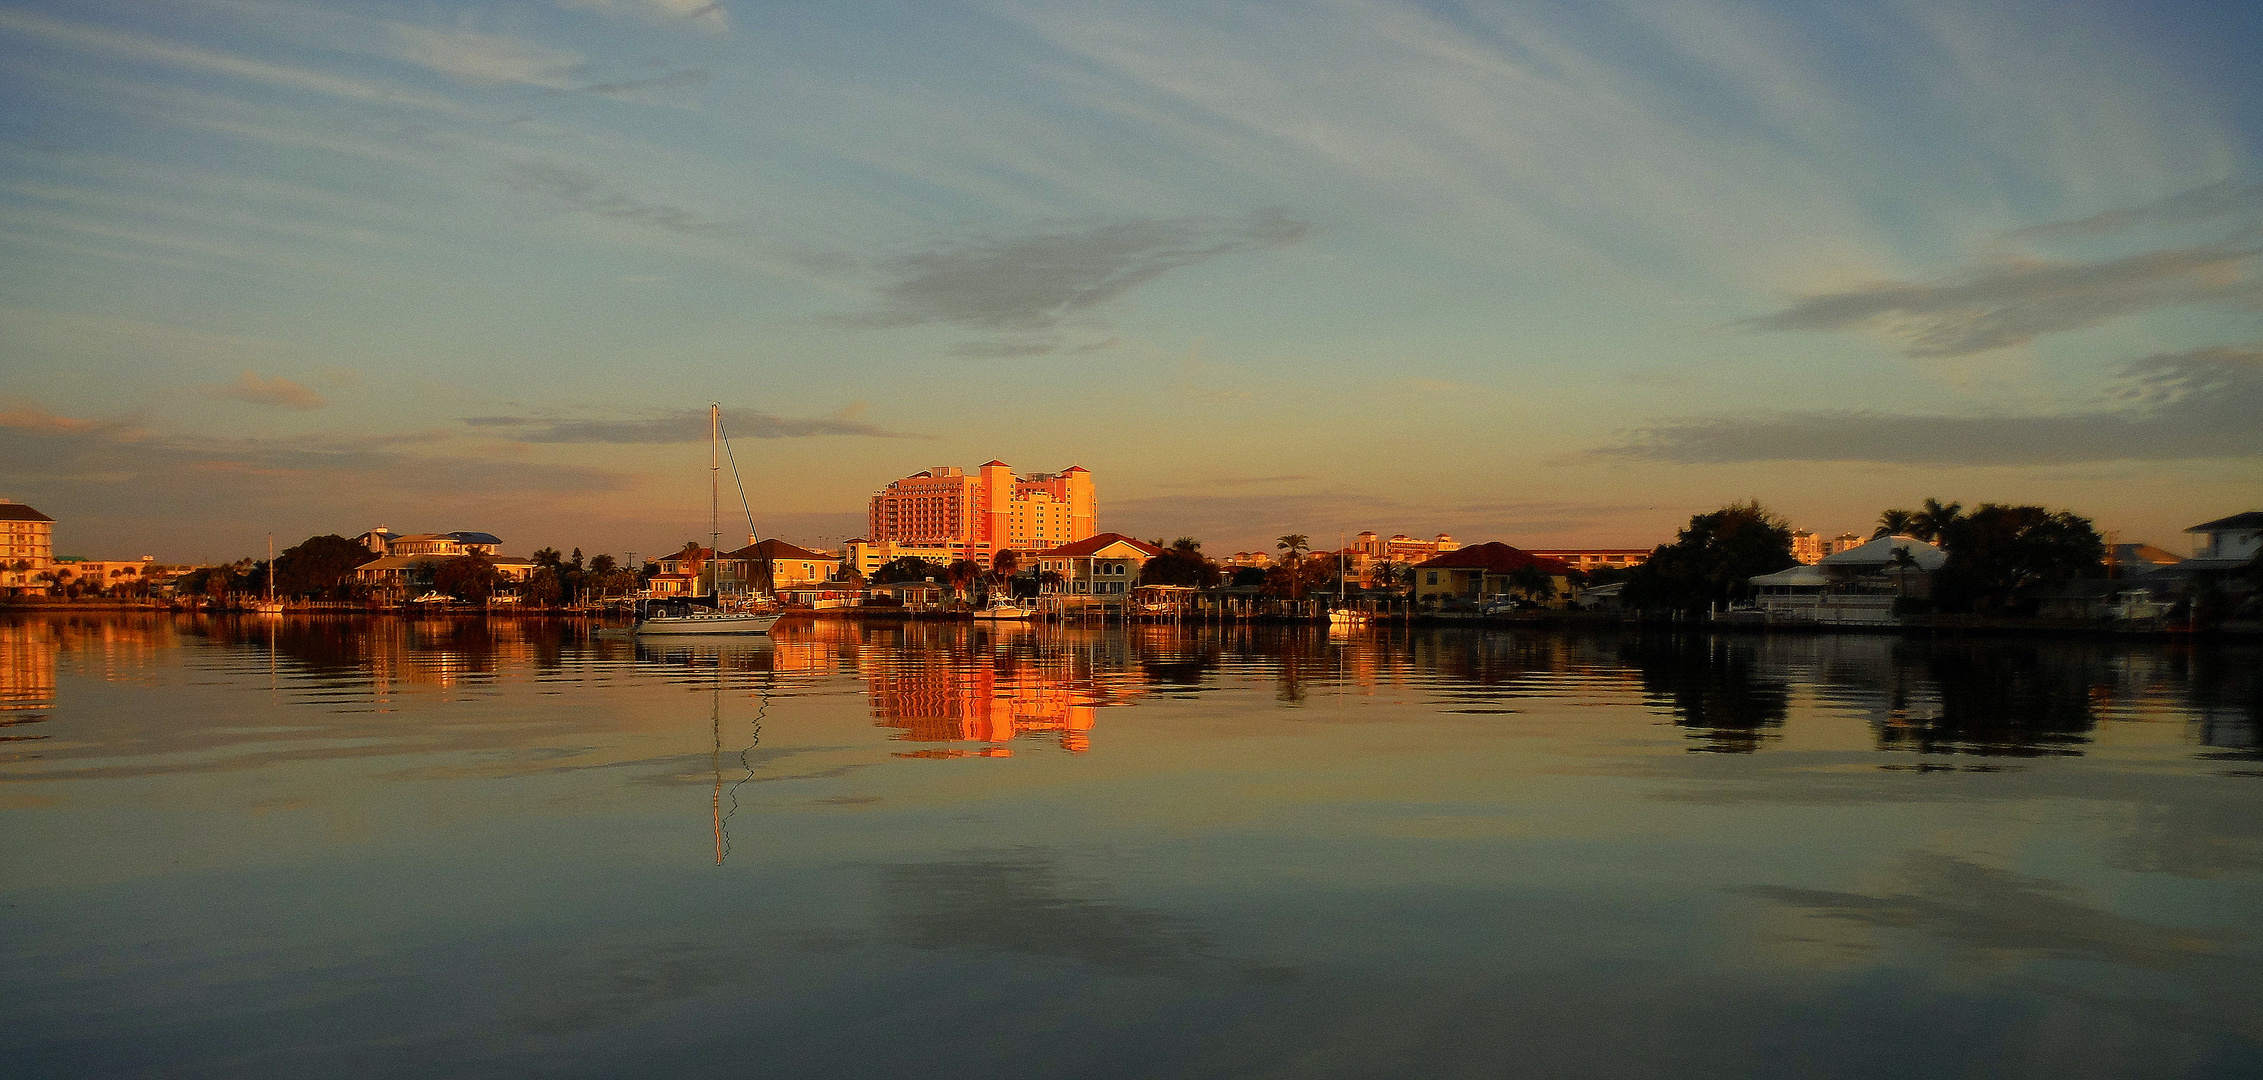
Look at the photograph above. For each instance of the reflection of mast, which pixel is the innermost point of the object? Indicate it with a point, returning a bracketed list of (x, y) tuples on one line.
[(715, 715)]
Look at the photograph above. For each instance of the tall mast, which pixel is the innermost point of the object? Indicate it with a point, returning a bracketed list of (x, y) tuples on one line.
[(715, 499), (270, 568)]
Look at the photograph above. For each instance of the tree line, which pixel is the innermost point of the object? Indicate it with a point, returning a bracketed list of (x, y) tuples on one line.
[(1998, 555)]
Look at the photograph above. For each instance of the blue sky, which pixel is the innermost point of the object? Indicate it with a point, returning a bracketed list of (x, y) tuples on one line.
[(1557, 274)]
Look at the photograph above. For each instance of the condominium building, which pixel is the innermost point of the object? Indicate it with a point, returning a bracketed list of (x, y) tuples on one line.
[(1369, 550), (27, 545), (975, 516), (1589, 560)]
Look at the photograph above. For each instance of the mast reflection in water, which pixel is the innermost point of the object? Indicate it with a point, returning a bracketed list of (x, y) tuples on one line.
[(461, 846)]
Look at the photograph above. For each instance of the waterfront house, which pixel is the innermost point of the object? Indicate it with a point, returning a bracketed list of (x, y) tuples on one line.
[(27, 546), (2225, 544), (1472, 574), (1097, 571), (1858, 586), (775, 566)]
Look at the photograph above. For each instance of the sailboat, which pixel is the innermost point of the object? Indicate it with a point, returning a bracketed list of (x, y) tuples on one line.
[(680, 618), (269, 606)]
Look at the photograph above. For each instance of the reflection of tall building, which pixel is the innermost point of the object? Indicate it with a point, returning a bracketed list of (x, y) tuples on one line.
[(951, 696)]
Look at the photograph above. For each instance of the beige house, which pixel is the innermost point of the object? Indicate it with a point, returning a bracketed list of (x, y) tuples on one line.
[(1098, 571)]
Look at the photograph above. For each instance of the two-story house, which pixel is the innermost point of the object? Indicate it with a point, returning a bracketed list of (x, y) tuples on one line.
[(1095, 572)]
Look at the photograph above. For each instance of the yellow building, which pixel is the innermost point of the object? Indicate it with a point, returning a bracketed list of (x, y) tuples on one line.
[(1097, 571), (976, 516), (1476, 575), (27, 546)]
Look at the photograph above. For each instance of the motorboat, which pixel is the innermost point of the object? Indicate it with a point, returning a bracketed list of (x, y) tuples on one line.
[(1002, 608)]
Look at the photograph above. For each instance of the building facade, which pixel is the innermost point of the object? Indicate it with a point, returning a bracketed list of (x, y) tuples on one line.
[(975, 516), (27, 546), (1097, 571), (1474, 575), (1589, 560)]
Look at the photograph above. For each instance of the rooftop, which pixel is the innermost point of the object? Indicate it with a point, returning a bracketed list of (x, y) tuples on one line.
[(1496, 557), (2252, 519), (16, 511), (1092, 544)]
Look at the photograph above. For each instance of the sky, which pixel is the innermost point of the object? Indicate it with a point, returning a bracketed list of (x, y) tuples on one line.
[(1560, 274)]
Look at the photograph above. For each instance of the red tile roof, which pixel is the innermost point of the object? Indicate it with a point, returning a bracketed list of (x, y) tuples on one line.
[(1494, 557), (11, 511), (1091, 544)]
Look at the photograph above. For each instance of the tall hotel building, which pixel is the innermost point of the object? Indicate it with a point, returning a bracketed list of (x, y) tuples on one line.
[(976, 516)]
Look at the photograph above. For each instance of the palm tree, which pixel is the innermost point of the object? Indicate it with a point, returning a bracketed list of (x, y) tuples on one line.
[(1933, 519), (1903, 562), (1894, 523), (1293, 546)]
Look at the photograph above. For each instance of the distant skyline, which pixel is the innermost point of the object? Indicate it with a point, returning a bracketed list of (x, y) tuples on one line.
[(1560, 274)]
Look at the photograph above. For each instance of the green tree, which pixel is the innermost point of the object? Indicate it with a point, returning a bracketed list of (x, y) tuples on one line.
[(1997, 554), (1712, 560), (319, 565), (1533, 583), (544, 588), (603, 564), (908, 568), (1933, 519), (467, 577), (1286, 578), (1893, 523), (1181, 563)]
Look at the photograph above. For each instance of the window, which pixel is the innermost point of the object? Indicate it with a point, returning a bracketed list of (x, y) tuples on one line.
[(1432, 578)]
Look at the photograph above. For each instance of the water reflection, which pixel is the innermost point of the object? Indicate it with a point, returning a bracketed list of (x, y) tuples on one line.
[(332, 847), (992, 688)]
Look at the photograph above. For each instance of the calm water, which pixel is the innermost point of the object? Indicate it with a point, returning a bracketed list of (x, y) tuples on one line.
[(251, 849)]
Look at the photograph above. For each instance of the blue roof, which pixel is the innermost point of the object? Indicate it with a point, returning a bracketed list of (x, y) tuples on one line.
[(475, 538)]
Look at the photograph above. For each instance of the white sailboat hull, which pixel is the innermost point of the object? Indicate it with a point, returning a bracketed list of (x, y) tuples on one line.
[(721, 623)]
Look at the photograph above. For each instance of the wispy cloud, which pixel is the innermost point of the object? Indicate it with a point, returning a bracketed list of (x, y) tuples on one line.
[(705, 15), (583, 193), (1037, 282), (694, 77), (1004, 350), (2173, 406), (2014, 301), (136, 46), (15, 413), (476, 57), (680, 426), (2226, 198), (272, 390), (122, 483)]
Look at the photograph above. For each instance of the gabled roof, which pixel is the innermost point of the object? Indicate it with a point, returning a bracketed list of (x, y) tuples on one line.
[(993, 461), (1493, 557), (11, 511), (1880, 552), (1092, 545), (2252, 519), (777, 549), (1074, 468)]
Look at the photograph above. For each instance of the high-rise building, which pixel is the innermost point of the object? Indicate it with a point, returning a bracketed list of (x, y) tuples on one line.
[(975, 516)]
